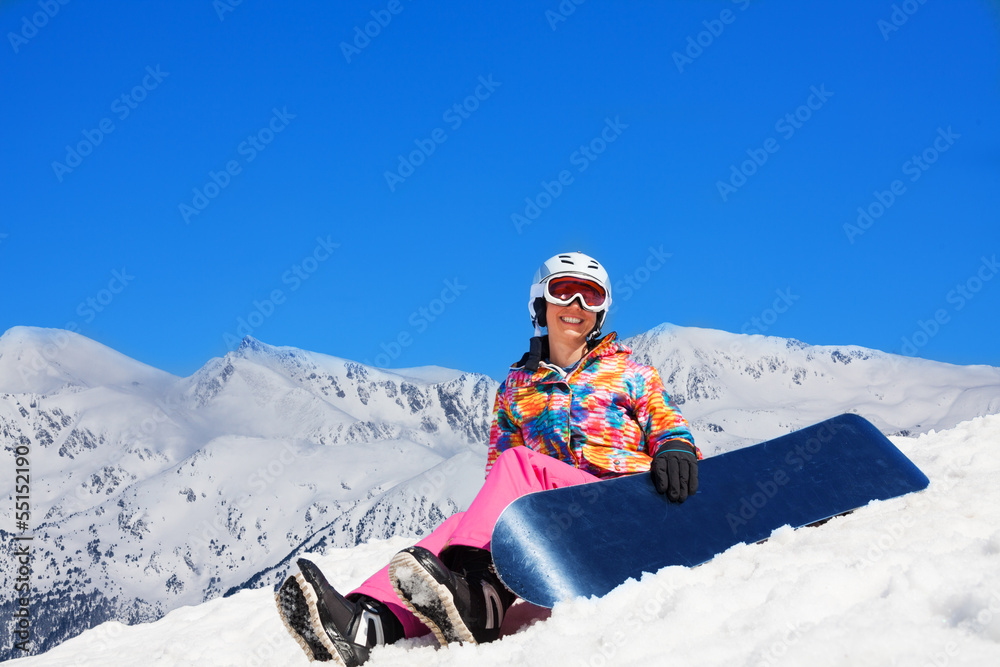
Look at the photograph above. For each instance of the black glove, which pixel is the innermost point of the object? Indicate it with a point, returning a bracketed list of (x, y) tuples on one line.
[(675, 470)]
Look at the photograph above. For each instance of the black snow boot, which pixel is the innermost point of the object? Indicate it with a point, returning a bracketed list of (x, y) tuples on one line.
[(465, 604), (328, 626)]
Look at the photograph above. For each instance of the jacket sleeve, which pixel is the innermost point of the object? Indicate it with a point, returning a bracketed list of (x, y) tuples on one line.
[(504, 432), (658, 416)]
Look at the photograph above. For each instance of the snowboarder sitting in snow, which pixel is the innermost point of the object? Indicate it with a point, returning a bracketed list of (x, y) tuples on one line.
[(575, 409)]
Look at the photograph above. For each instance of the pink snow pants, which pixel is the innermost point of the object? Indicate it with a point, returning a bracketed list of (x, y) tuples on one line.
[(516, 472)]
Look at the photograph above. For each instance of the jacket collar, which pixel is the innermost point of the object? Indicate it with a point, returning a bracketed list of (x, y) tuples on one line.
[(547, 372)]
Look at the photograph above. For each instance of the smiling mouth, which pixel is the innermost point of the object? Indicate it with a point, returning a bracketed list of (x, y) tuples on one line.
[(571, 320)]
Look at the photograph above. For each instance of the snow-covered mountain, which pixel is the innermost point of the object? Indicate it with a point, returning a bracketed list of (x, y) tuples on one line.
[(151, 491), (740, 389), (908, 581)]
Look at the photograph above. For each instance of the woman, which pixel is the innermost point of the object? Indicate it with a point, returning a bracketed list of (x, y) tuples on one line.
[(574, 410)]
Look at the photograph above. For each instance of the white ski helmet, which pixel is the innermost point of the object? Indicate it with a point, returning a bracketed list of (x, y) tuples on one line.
[(568, 264)]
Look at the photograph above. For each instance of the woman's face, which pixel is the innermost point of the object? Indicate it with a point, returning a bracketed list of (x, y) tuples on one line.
[(569, 325)]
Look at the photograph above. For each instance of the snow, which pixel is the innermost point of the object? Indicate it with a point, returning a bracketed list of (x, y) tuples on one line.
[(909, 581), (42, 361), (736, 390), (432, 374)]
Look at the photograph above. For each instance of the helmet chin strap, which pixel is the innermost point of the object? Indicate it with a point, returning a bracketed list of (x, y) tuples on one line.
[(535, 353), (538, 348)]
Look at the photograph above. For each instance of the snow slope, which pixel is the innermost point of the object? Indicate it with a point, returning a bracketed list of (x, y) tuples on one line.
[(910, 581)]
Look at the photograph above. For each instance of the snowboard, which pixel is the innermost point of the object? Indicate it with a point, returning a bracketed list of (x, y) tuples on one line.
[(585, 540)]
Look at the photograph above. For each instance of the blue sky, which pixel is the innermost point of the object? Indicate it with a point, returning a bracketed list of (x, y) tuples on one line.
[(178, 174)]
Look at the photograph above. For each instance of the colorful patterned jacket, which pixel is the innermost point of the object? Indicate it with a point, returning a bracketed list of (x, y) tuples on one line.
[(608, 416)]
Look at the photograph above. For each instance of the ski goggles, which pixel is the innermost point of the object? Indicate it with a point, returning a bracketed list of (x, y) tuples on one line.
[(564, 289)]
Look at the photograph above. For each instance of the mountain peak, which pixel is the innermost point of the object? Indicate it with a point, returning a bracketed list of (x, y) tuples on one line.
[(250, 345), (43, 360)]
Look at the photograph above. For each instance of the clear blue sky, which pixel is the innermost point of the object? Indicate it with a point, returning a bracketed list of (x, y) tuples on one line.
[(249, 149)]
